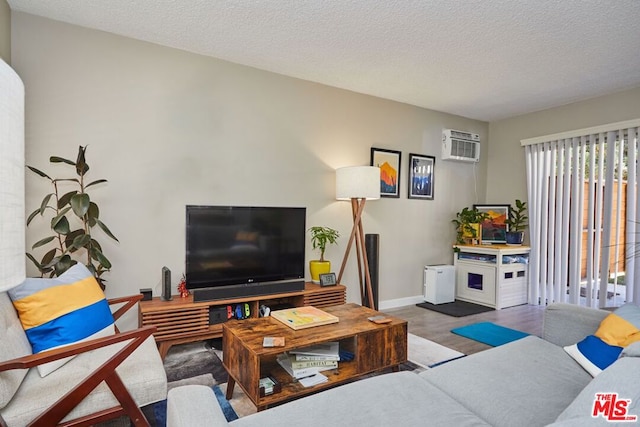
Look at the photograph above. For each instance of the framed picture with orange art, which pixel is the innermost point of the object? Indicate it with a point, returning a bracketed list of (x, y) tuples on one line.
[(389, 163), (494, 229)]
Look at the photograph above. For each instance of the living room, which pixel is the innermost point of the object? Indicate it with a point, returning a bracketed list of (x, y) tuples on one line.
[(168, 128)]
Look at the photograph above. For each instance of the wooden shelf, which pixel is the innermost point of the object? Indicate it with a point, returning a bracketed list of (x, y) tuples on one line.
[(182, 320)]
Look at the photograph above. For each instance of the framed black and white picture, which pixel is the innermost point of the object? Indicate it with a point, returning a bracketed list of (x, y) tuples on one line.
[(421, 176)]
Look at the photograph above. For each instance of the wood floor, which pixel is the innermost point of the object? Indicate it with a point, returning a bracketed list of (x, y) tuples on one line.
[(437, 327)]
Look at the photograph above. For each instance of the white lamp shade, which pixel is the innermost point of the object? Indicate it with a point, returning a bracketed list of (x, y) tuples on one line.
[(359, 182), (12, 222)]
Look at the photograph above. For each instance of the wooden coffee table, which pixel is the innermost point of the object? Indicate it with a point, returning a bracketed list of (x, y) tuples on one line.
[(375, 346)]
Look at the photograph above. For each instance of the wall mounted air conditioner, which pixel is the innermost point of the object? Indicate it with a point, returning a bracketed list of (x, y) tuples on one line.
[(460, 145)]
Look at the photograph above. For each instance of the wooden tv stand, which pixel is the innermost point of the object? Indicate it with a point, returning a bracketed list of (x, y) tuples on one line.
[(182, 321)]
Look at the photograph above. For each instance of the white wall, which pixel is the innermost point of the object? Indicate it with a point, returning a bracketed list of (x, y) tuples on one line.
[(506, 179), (169, 128)]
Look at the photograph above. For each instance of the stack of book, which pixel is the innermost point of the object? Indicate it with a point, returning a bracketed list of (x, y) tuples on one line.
[(309, 361)]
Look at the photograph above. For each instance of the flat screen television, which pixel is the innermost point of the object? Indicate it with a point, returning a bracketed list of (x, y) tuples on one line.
[(239, 251)]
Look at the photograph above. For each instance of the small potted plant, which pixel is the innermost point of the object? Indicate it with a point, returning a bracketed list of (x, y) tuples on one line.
[(468, 225), (320, 238), (517, 222)]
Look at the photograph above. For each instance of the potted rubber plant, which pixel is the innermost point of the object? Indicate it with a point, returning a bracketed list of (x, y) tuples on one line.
[(74, 217), (320, 238), (468, 225), (517, 222)]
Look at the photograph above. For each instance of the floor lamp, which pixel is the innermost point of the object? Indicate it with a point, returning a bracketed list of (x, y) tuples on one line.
[(358, 184), (12, 219)]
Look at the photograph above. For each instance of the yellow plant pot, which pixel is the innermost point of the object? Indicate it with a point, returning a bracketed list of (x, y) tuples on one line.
[(475, 236), (317, 268)]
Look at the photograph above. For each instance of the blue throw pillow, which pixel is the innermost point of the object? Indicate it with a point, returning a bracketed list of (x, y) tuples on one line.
[(62, 311), (618, 330)]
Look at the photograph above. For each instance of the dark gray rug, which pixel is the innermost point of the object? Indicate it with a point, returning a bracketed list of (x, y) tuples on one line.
[(456, 308), (195, 359)]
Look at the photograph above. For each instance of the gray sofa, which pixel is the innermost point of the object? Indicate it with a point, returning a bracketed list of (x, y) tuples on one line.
[(529, 382)]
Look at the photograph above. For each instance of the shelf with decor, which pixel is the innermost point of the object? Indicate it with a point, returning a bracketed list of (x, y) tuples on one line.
[(495, 276), (182, 320)]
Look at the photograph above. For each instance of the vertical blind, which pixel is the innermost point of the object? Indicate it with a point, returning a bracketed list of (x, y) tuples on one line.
[(584, 214)]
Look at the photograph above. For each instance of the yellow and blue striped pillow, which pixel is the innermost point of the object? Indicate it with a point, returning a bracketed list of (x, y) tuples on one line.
[(61, 311), (618, 330)]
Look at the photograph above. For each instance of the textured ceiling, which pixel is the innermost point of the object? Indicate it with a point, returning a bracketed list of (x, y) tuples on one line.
[(483, 59)]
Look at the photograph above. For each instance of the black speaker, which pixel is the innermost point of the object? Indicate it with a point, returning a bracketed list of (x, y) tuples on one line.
[(147, 294), (372, 248), (166, 284)]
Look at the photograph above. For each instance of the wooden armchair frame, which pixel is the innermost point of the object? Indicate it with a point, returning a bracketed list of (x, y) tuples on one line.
[(106, 372)]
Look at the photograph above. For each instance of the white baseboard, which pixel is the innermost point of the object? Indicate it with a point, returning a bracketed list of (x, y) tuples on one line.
[(400, 302)]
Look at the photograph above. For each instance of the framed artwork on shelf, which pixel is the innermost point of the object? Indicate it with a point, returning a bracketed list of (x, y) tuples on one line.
[(389, 163), (494, 229), (421, 176)]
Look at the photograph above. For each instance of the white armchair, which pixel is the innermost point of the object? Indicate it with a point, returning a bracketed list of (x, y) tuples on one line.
[(109, 377)]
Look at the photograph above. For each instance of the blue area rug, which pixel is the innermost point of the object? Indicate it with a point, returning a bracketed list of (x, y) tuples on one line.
[(160, 409), (227, 409), (489, 333)]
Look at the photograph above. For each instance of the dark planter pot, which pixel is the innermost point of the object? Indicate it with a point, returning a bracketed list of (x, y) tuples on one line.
[(515, 237)]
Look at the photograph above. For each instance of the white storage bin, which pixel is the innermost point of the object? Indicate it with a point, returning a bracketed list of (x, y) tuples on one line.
[(439, 284)]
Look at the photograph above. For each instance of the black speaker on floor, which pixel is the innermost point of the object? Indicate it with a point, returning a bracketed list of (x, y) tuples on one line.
[(372, 248), (166, 284)]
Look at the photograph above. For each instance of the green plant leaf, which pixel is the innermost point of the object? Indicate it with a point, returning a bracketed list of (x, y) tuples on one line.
[(33, 260), (80, 204), (106, 230), (62, 213), (45, 202), (64, 263), (81, 241), (39, 172), (81, 165), (95, 244), (68, 241), (43, 242), (51, 263), (33, 215), (56, 159), (46, 259), (98, 181), (103, 260), (92, 214), (61, 226), (65, 199)]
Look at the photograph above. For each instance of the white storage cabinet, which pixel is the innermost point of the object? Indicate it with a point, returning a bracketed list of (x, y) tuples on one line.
[(495, 276)]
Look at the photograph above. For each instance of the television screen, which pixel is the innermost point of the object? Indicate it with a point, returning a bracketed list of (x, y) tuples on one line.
[(231, 245)]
